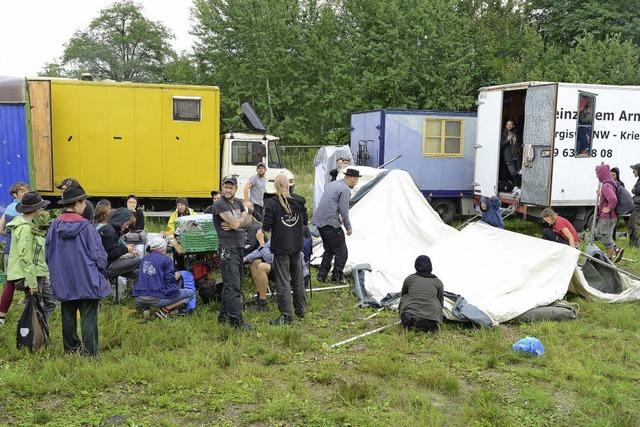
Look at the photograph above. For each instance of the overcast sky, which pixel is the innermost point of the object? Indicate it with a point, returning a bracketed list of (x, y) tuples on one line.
[(33, 32)]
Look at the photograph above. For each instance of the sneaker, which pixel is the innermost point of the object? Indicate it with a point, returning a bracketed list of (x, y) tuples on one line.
[(243, 326), (618, 253), (322, 278), (339, 280), (2, 321), (300, 315), (282, 320)]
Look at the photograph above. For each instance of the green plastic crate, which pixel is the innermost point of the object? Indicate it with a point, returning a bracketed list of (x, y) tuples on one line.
[(194, 241)]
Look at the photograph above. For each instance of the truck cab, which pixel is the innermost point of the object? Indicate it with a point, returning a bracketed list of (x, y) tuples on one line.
[(241, 152)]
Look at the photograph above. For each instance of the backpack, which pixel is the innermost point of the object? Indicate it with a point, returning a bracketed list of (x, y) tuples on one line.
[(625, 200), (33, 331)]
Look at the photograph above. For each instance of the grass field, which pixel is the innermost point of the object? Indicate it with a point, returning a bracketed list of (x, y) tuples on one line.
[(190, 371)]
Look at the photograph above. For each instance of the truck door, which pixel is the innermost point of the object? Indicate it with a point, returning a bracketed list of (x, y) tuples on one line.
[(538, 138), (40, 100), (488, 142)]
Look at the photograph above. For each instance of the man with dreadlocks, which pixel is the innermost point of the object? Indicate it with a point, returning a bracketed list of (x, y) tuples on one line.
[(285, 215)]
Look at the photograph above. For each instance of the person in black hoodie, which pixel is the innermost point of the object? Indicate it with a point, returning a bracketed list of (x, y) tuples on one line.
[(122, 259), (285, 215), (422, 298), (132, 205)]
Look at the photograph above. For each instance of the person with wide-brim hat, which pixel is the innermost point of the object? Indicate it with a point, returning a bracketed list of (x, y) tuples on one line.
[(69, 183), (77, 262), (27, 264)]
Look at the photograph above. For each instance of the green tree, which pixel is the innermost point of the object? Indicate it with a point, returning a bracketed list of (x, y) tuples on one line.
[(120, 44)]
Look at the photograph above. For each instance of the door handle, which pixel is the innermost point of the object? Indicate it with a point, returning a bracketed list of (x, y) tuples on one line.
[(117, 137)]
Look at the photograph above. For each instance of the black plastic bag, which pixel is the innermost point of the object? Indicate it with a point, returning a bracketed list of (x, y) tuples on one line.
[(33, 331)]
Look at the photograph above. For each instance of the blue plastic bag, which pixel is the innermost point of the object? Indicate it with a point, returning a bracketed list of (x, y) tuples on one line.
[(529, 345)]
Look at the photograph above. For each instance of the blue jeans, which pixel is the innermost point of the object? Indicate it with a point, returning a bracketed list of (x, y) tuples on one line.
[(163, 302)]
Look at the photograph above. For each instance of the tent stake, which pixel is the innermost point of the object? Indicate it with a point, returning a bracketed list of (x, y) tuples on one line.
[(612, 267), (366, 334)]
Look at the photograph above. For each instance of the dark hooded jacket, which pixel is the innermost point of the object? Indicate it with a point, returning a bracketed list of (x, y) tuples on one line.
[(492, 215), (422, 297), (76, 259), (110, 234), (287, 229)]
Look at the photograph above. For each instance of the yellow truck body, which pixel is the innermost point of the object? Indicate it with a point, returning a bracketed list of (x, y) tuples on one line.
[(151, 140)]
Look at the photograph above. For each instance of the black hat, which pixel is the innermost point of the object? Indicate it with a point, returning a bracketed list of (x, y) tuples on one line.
[(69, 183), (230, 179), (636, 167), (31, 202), (72, 194), (352, 172), (423, 265)]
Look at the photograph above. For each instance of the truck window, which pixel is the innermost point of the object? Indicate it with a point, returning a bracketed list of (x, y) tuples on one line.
[(443, 138), (247, 153), (186, 108), (584, 133), (274, 155)]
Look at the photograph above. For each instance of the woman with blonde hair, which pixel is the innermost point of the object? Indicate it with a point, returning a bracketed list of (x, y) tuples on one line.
[(284, 216)]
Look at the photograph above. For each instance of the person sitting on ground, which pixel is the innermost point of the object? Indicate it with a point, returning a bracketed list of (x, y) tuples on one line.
[(215, 196), (490, 208), (157, 282), (422, 298), (285, 215), (122, 258), (27, 265), (182, 209), (261, 266), (607, 217), (16, 191), (76, 260), (561, 230), (102, 212), (67, 183), (138, 214), (341, 164), (251, 242)]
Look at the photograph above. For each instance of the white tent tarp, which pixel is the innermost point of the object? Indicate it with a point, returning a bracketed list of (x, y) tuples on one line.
[(501, 273)]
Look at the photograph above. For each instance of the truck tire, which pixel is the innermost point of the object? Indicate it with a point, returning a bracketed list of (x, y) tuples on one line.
[(446, 208)]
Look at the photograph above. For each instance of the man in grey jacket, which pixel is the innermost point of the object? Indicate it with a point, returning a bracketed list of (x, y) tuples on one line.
[(331, 215)]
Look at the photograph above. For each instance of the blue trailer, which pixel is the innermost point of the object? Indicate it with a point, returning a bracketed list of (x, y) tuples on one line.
[(435, 147), (14, 138)]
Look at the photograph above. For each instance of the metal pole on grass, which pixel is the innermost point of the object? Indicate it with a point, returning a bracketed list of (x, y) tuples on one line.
[(366, 334)]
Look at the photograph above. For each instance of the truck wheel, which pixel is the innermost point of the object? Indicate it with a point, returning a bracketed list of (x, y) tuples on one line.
[(446, 208)]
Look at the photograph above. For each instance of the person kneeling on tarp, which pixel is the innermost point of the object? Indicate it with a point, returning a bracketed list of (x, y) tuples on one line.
[(560, 230), (422, 298), (157, 281)]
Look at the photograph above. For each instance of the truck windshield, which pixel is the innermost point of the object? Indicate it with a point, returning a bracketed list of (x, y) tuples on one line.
[(275, 157)]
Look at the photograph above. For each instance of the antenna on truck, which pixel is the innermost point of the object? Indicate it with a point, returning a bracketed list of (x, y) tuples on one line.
[(249, 118)]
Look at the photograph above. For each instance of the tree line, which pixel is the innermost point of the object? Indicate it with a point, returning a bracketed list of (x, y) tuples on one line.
[(305, 65)]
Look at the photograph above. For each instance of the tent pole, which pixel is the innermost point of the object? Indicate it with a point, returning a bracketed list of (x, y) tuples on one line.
[(392, 160), (612, 267), (357, 337), (326, 288)]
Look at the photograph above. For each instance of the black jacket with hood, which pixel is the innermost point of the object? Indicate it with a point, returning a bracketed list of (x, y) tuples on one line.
[(110, 234), (287, 231)]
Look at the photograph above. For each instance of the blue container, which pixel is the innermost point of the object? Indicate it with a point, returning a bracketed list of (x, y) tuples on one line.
[(14, 154)]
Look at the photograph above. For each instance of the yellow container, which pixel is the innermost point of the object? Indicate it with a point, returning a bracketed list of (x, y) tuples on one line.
[(128, 138)]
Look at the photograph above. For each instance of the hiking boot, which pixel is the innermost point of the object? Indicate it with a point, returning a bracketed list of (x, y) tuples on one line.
[(617, 254), (260, 305), (243, 326), (282, 320), (300, 315), (339, 280), (322, 278)]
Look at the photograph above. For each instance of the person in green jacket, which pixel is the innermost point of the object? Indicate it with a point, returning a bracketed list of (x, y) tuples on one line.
[(27, 266)]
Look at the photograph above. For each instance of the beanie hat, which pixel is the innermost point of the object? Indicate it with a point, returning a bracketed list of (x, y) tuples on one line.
[(157, 243), (182, 200), (423, 265)]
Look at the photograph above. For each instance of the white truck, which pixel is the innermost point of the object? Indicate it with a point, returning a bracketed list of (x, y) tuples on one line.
[(567, 130)]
